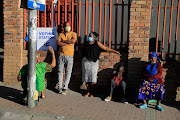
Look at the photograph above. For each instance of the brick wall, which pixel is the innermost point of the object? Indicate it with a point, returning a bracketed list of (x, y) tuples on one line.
[(13, 40), (140, 15)]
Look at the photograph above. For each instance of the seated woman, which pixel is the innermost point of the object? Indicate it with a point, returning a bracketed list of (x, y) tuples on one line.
[(41, 69), (152, 88), (117, 80)]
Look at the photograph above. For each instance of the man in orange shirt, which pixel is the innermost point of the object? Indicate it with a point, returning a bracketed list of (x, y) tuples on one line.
[(66, 42)]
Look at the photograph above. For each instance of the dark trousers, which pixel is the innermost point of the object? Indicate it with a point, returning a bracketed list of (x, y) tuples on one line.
[(122, 84)]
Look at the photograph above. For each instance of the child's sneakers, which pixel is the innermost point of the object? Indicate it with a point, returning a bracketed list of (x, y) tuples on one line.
[(143, 106), (107, 99), (158, 107)]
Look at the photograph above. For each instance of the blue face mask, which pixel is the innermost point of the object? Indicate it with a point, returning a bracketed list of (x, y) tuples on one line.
[(90, 39), (154, 62)]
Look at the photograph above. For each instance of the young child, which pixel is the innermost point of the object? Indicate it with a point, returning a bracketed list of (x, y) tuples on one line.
[(41, 69), (117, 81)]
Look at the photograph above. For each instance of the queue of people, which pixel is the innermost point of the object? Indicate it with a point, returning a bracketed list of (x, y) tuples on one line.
[(151, 88)]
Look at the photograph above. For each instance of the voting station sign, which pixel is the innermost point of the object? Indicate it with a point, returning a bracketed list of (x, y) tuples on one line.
[(37, 4), (46, 37)]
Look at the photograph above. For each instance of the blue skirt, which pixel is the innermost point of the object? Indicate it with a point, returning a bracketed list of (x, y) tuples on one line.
[(151, 91)]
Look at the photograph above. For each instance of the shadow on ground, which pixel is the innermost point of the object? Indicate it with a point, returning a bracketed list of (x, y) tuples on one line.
[(11, 94)]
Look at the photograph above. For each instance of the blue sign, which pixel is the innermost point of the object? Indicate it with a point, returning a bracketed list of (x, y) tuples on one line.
[(46, 37), (37, 4)]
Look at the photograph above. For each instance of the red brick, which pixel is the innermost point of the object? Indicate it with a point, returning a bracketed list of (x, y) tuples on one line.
[(140, 17), (140, 9), (133, 51), (138, 55), (138, 39), (134, 21), (144, 51), (141, 2), (144, 44), (109, 57), (146, 14), (145, 21), (134, 13), (138, 47), (139, 24), (133, 43), (133, 35), (116, 57), (135, 6), (105, 53), (133, 28), (145, 6), (144, 36), (138, 32)]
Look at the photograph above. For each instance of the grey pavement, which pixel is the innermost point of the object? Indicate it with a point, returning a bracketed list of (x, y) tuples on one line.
[(75, 107)]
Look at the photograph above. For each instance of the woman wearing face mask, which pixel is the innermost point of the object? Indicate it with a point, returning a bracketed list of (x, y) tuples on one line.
[(152, 88), (90, 62)]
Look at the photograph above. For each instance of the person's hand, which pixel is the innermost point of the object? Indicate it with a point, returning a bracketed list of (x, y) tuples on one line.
[(118, 52), (51, 50)]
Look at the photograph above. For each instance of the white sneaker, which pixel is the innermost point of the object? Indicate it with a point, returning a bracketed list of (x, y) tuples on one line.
[(124, 101), (64, 92), (107, 99), (60, 91)]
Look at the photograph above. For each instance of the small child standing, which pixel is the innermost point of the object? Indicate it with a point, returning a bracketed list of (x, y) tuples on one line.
[(41, 69), (116, 81)]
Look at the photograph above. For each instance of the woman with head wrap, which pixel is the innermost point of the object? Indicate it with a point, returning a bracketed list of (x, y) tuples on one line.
[(90, 63), (152, 88)]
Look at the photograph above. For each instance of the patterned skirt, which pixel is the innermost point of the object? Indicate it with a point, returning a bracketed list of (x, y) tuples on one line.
[(151, 91), (89, 70)]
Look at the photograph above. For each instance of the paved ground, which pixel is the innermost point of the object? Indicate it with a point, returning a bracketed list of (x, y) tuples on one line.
[(76, 107)]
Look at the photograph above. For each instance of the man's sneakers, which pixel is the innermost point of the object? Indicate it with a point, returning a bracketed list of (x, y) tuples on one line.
[(63, 92), (158, 107), (143, 106), (107, 99), (60, 91)]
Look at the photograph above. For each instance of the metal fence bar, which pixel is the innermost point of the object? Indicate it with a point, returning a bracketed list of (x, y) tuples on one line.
[(79, 24), (170, 27), (59, 11), (45, 14), (93, 10), (128, 23), (157, 33), (164, 26), (72, 14), (65, 10), (37, 18), (177, 22), (52, 8), (100, 14), (105, 22), (86, 17), (110, 18), (122, 21), (116, 25)]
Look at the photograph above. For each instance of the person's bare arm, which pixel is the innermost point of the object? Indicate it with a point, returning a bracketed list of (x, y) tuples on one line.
[(72, 41), (53, 56), (107, 49), (60, 42)]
